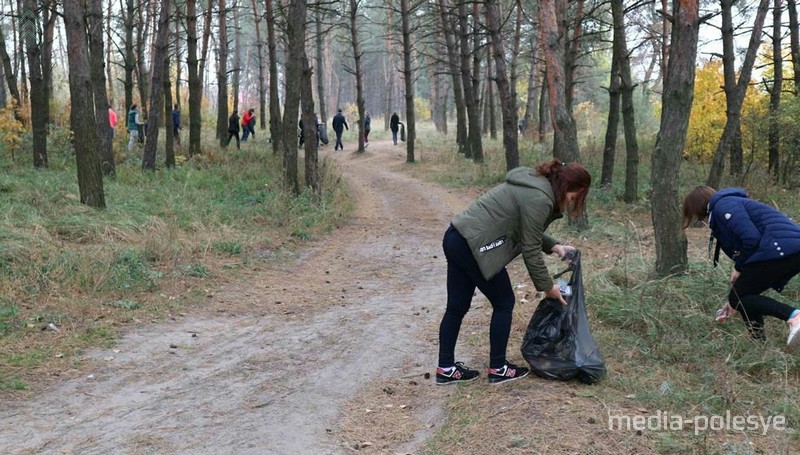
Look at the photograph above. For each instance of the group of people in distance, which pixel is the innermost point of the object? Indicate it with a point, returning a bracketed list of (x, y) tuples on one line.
[(137, 127), (511, 219)]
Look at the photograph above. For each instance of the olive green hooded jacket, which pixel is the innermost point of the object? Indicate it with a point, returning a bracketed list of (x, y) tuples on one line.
[(511, 219)]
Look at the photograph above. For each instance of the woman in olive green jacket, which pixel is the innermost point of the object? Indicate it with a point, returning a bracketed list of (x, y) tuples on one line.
[(509, 219)]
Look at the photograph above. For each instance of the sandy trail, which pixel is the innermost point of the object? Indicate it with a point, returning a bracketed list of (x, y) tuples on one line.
[(270, 374)]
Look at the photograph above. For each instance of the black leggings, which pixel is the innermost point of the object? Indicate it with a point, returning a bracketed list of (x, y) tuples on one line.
[(755, 278), (463, 276), (232, 135)]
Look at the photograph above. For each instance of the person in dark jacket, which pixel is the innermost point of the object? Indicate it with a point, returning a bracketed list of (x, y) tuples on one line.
[(764, 245), (367, 128), (176, 124), (394, 125), (509, 219), (233, 129), (339, 125)]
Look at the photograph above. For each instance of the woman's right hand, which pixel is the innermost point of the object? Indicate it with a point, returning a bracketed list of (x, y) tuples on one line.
[(555, 294)]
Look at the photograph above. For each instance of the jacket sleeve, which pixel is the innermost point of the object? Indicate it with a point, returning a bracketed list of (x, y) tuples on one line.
[(533, 217), (733, 217)]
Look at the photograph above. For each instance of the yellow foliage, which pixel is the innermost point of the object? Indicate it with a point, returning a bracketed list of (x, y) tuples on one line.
[(11, 129), (422, 108), (708, 112), (708, 117)]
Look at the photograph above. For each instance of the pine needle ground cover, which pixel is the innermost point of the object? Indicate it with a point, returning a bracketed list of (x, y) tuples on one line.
[(666, 356)]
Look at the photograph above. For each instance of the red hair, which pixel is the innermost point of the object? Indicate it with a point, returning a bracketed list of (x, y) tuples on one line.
[(567, 178)]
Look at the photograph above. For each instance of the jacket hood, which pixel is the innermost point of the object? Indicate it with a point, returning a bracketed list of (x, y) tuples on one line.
[(737, 192), (525, 176)]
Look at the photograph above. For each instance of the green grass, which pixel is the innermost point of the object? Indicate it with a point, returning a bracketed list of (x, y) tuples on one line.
[(88, 271)]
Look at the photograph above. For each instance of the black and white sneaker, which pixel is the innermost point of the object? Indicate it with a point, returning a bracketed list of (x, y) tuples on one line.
[(509, 372), (454, 374)]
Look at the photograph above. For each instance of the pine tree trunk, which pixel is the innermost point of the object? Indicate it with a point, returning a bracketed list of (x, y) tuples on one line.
[(775, 93), (628, 113), (90, 179), (295, 38), (38, 90), (359, 72), (677, 105), (730, 141), (454, 69), (612, 125), (507, 103), (275, 129), (323, 109), (169, 131), (129, 60), (565, 137), (222, 75), (160, 63), (97, 59), (195, 87), (408, 76), (474, 145)]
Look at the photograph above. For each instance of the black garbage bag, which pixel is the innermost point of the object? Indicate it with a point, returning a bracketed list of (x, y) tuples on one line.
[(558, 343), (323, 133), (402, 132)]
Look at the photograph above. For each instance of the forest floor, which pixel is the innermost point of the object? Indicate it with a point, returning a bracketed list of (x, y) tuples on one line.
[(331, 352), (273, 360)]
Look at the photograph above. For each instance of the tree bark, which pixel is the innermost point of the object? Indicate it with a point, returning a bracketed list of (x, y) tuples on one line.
[(28, 30), (612, 125), (474, 146), (628, 114), (160, 62), (565, 133), (11, 81), (262, 87), (195, 87), (90, 179), (274, 107), (169, 131), (311, 144), (677, 105), (358, 70), (222, 75), (128, 60), (408, 77), (454, 70), (775, 93), (97, 59), (507, 103), (323, 111), (295, 38), (731, 141), (237, 57)]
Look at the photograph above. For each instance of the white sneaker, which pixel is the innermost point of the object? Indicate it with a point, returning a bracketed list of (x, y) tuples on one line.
[(793, 341)]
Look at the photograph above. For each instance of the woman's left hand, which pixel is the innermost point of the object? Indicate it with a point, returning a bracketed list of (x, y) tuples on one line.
[(564, 250)]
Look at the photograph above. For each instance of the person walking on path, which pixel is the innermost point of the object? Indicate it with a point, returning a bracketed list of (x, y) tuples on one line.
[(367, 127), (248, 124), (394, 125), (339, 125), (233, 129), (764, 245), (133, 126), (509, 219), (176, 124)]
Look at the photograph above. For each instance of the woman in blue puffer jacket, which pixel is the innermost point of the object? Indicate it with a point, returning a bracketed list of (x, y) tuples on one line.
[(764, 245)]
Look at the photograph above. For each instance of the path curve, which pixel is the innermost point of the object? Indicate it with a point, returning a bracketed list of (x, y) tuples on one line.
[(295, 342)]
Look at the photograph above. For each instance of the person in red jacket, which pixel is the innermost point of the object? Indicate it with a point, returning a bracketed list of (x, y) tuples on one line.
[(248, 124)]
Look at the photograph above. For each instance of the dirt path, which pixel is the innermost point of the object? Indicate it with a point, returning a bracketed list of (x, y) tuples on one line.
[(269, 367)]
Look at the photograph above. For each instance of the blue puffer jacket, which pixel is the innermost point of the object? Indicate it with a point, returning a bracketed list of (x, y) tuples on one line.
[(749, 231)]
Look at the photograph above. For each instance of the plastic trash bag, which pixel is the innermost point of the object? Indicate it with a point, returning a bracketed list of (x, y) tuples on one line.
[(402, 132), (323, 133), (558, 343)]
